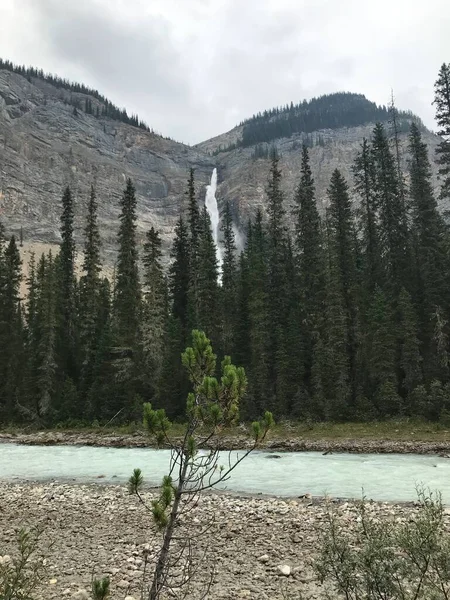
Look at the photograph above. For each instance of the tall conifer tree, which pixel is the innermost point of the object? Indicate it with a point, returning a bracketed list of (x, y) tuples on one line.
[(90, 283), (154, 314), (442, 103), (66, 345), (342, 247), (127, 301), (228, 293)]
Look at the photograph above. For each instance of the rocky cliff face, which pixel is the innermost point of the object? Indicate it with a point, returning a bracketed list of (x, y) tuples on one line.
[(242, 178), (45, 144)]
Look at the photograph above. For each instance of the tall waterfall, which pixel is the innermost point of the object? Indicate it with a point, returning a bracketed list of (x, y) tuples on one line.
[(213, 210)]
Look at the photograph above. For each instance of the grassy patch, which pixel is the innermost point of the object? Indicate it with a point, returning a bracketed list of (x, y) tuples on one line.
[(402, 430)]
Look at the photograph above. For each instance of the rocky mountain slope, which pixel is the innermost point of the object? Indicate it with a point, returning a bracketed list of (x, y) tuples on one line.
[(47, 143), (242, 177)]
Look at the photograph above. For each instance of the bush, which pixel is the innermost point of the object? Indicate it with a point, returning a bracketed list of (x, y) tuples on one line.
[(20, 575), (388, 559)]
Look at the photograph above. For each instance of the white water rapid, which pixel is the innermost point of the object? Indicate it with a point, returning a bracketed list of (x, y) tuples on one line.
[(213, 210)]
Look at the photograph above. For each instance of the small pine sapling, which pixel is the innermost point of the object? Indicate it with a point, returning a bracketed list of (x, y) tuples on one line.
[(211, 406)]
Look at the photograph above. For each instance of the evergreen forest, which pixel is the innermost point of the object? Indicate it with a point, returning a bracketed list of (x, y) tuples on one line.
[(344, 316), (330, 111)]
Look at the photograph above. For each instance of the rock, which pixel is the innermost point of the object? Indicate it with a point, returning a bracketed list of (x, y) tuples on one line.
[(53, 581), (284, 570), (81, 594), (123, 584), (264, 558), (130, 598)]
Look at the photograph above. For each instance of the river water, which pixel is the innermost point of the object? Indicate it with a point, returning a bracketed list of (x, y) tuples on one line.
[(384, 477)]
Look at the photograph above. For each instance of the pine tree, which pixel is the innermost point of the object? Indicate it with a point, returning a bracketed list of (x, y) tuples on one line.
[(242, 350), (395, 250), (395, 133), (331, 388), (207, 286), (195, 232), (310, 284), (431, 245), (154, 314), (44, 340), (277, 297), (342, 248), (258, 315), (365, 185), (228, 292), (179, 275), (66, 344), (127, 301), (89, 294), (174, 384), (442, 102), (10, 329)]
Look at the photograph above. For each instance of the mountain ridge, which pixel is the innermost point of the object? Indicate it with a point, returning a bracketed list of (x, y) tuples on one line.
[(46, 142)]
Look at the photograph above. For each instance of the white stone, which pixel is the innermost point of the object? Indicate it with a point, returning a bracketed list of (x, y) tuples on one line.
[(264, 558), (284, 570)]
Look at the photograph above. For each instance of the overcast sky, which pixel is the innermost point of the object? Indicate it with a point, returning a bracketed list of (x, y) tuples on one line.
[(194, 68)]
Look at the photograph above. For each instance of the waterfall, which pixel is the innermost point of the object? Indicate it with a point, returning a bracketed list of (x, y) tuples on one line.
[(213, 210)]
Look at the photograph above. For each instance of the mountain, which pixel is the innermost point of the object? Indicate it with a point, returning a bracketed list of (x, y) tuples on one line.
[(242, 154), (46, 143), (55, 133)]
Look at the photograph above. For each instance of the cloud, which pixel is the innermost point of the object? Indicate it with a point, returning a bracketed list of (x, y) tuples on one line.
[(194, 68)]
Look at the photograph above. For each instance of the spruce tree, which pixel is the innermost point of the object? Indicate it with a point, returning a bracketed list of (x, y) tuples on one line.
[(442, 103), (179, 276), (365, 185), (343, 251), (66, 344), (207, 281), (154, 313), (431, 241), (258, 314), (228, 292), (127, 300), (174, 384), (395, 133), (44, 339), (277, 297), (90, 283), (331, 389), (395, 249), (243, 326), (195, 232), (11, 350), (310, 280)]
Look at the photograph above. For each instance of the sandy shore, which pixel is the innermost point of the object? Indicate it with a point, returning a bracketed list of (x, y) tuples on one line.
[(298, 444), (101, 530)]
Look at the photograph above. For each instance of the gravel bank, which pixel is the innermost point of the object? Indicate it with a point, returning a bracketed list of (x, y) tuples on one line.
[(260, 547), (138, 440)]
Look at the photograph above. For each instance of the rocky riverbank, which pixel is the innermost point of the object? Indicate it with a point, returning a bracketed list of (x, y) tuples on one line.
[(260, 548), (235, 442)]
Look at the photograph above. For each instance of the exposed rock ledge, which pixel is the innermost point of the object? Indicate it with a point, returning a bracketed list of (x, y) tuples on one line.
[(236, 442)]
